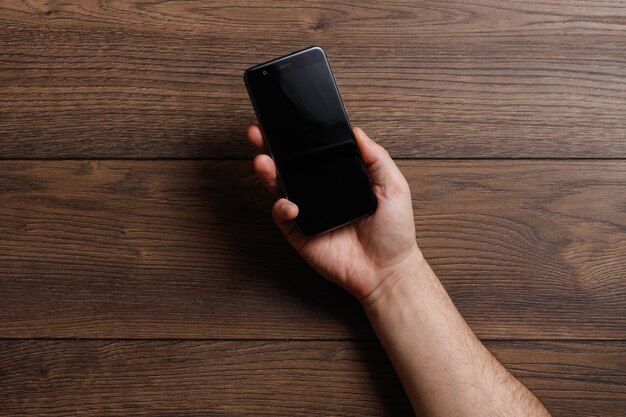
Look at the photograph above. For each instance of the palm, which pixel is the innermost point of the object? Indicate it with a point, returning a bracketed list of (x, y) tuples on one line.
[(328, 253), (353, 255)]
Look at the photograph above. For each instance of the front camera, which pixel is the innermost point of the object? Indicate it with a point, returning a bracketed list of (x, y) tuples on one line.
[(264, 72)]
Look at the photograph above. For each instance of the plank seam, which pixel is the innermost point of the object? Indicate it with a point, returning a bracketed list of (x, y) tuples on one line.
[(294, 340), (250, 159)]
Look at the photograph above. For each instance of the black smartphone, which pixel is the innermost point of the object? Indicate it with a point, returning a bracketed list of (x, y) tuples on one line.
[(307, 131)]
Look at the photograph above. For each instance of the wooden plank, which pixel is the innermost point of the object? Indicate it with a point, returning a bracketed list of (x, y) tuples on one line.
[(489, 78), (297, 378), (186, 249)]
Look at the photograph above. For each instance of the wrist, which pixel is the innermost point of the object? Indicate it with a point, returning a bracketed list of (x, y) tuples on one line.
[(404, 279)]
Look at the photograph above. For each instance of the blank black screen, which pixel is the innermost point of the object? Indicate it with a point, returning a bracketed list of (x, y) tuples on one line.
[(306, 127)]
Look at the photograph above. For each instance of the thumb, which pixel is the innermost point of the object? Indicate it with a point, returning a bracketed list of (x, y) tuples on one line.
[(381, 168)]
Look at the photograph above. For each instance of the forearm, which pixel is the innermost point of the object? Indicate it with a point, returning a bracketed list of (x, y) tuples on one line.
[(444, 368)]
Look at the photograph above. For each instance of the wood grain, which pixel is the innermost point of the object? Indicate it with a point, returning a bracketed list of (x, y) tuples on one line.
[(297, 378), (129, 256), (144, 79), (186, 249)]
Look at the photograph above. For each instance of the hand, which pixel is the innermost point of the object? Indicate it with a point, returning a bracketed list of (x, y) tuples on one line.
[(362, 254)]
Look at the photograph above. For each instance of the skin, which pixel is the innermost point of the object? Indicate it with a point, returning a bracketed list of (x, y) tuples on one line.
[(444, 368)]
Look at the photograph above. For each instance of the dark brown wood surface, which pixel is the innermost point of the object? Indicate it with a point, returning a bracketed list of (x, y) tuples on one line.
[(534, 249), (277, 378), (158, 285), (427, 78)]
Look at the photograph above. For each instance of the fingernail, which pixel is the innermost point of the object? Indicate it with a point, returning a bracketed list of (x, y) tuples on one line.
[(286, 208)]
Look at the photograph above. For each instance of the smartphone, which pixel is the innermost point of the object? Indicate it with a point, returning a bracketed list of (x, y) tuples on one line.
[(308, 134)]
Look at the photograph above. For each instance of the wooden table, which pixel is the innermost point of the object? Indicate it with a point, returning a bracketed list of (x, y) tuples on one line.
[(141, 273)]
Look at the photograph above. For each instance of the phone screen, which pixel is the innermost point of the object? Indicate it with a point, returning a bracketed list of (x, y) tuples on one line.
[(308, 133)]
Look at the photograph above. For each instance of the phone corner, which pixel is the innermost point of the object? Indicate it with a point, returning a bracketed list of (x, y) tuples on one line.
[(304, 230), (317, 48), (245, 75), (374, 206)]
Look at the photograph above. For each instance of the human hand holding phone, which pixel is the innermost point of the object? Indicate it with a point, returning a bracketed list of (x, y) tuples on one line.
[(355, 227), (361, 255)]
